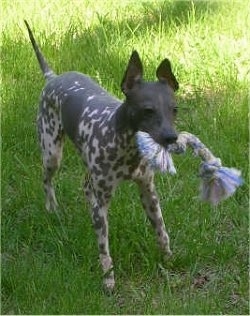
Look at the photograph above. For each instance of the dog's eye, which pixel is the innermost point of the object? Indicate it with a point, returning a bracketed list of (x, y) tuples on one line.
[(175, 110), (148, 112)]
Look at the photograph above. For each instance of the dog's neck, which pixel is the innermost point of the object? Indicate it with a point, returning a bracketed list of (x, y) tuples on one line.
[(123, 120)]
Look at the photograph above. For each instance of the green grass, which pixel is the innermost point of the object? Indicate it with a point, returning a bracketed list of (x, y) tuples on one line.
[(49, 261)]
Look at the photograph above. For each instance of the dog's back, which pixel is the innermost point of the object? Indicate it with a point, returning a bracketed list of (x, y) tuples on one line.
[(79, 99)]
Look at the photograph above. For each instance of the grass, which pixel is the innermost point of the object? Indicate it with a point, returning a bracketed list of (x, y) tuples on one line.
[(49, 261)]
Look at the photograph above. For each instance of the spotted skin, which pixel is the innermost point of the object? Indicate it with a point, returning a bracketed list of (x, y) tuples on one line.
[(103, 130)]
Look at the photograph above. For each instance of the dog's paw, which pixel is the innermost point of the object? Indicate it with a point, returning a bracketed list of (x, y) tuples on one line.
[(167, 255), (51, 205), (109, 285), (165, 249)]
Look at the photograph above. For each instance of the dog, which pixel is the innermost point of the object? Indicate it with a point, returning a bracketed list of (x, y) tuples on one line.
[(103, 129)]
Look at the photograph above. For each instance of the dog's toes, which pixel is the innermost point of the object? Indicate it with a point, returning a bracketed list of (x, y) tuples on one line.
[(51, 206), (109, 286), (166, 250), (167, 255)]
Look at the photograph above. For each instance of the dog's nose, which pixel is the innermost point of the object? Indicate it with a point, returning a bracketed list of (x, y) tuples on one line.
[(170, 139)]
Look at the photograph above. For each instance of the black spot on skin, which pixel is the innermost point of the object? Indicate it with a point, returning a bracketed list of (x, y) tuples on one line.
[(144, 205), (107, 195), (152, 209), (105, 167), (98, 221), (131, 169), (102, 249), (58, 138), (110, 178), (143, 169), (102, 183), (112, 153), (98, 160), (96, 171), (120, 174), (49, 131), (152, 222), (87, 193), (91, 152), (104, 194), (100, 196), (104, 230)]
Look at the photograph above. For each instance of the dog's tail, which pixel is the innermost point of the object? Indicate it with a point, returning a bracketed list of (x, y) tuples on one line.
[(47, 72)]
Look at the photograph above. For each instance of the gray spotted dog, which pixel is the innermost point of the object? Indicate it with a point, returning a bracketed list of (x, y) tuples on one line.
[(103, 129)]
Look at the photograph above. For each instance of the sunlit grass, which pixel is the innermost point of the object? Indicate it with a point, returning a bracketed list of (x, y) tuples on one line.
[(50, 261)]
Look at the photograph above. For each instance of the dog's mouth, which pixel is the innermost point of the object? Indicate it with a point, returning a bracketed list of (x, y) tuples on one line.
[(166, 142)]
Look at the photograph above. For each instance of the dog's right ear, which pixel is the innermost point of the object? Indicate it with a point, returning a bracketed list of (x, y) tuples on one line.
[(133, 73), (164, 74)]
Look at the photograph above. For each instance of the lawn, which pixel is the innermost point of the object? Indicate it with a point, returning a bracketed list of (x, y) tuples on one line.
[(50, 261)]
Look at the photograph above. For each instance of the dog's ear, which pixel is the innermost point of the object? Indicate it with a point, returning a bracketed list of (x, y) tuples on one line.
[(164, 74), (133, 73)]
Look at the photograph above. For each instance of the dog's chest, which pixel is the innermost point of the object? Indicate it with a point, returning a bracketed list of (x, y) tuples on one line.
[(106, 152)]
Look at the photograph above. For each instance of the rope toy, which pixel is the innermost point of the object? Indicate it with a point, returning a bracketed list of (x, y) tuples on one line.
[(217, 183)]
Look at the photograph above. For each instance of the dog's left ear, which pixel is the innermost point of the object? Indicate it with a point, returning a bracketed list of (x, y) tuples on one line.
[(133, 73), (164, 74)]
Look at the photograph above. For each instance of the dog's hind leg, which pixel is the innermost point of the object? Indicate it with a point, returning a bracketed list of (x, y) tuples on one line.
[(51, 141), (99, 201), (151, 205)]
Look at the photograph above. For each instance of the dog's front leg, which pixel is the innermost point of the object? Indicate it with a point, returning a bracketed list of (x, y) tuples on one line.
[(100, 222), (151, 205)]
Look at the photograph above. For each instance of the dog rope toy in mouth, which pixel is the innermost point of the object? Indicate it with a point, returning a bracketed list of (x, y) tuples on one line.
[(218, 182)]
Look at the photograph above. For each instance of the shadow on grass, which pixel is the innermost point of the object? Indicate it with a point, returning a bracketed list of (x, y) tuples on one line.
[(114, 40), (102, 36), (102, 51)]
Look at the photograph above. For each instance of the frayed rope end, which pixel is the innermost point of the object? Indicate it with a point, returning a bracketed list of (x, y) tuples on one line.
[(157, 156), (218, 182)]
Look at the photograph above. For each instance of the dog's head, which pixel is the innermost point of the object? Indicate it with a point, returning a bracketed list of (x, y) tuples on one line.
[(151, 106)]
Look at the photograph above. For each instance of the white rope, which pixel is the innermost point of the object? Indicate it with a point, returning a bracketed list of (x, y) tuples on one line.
[(218, 182)]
